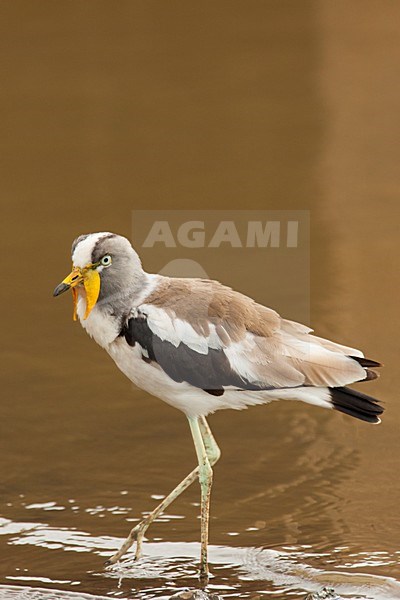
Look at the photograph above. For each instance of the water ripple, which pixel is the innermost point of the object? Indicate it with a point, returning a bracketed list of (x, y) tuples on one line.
[(286, 570)]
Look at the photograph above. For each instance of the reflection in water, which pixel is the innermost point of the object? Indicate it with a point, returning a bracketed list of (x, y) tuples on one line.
[(29, 593), (174, 565)]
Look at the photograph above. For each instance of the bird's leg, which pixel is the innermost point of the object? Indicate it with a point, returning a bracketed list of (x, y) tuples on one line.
[(205, 478), (211, 446), (138, 532)]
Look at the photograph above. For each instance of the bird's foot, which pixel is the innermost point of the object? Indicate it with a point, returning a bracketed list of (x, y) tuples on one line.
[(204, 574), (136, 535), (195, 595), (203, 579)]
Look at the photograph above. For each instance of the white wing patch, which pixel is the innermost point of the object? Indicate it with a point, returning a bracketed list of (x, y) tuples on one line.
[(168, 327)]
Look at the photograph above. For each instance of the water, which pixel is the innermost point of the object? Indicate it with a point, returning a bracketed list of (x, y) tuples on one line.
[(156, 105)]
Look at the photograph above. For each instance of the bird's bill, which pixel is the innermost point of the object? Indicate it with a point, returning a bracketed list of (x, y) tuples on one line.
[(75, 277), (90, 278)]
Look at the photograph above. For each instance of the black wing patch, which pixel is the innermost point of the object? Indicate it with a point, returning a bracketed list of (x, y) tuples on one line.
[(209, 372)]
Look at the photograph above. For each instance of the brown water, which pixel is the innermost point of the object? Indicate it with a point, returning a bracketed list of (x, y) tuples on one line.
[(108, 108)]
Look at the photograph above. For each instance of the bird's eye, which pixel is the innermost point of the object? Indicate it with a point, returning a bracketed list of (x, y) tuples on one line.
[(106, 260)]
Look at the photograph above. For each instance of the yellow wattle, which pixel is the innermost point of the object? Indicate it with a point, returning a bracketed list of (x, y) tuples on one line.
[(75, 301), (91, 281)]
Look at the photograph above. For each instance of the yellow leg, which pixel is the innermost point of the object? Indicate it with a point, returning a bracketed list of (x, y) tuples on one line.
[(138, 532)]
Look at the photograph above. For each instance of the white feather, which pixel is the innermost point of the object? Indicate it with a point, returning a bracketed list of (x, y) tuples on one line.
[(99, 324), (170, 328), (82, 255)]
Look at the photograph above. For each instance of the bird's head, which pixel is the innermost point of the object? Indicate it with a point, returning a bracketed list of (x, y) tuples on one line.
[(104, 268)]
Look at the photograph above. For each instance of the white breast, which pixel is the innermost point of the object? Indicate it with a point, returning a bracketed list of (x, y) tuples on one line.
[(100, 325)]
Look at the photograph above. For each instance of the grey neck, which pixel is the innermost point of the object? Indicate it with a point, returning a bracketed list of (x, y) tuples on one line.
[(121, 300)]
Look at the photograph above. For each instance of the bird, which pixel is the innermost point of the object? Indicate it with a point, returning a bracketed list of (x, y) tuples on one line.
[(200, 347)]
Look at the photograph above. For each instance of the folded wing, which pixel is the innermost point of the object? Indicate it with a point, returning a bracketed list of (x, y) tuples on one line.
[(203, 333)]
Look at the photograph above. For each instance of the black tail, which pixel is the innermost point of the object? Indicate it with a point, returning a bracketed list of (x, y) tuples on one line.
[(356, 404), (368, 364)]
